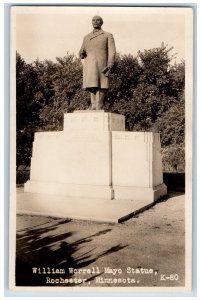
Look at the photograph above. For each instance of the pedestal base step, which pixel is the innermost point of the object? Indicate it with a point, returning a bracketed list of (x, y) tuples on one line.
[(69, 190), (140, 193), (96, 191), (99, 210)]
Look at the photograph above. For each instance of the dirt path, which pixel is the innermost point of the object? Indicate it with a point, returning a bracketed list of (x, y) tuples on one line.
[(154, 240)]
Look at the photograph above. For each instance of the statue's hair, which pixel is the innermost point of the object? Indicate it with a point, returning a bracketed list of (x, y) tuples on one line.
[(98, 17)]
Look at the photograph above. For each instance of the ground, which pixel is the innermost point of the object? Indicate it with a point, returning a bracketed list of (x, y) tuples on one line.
[(153, 240)]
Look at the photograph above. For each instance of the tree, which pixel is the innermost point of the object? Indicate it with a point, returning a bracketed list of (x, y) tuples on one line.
[(64, 81), (171, 124), (144, 87), (26, 88), (124, 79), (27, 108), (173, 158)]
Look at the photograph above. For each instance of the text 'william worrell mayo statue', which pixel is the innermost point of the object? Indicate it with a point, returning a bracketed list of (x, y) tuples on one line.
[(98, 51)]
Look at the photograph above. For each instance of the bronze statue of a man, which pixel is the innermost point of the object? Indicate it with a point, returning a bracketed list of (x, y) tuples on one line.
[(98, 51)]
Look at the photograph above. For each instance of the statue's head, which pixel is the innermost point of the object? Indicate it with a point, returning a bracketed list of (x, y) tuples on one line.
[(97, 22)]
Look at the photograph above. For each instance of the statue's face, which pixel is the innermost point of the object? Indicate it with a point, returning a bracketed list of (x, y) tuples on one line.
[(97, 22)]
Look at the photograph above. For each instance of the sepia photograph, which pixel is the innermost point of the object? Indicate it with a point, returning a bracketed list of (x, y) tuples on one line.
[(101, 102)]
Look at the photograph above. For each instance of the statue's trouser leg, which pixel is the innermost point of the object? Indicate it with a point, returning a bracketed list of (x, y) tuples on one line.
[(97, 98), (93, 99), (100, 95)]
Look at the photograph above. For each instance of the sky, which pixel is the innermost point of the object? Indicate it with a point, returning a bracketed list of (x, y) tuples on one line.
[(50, 32)]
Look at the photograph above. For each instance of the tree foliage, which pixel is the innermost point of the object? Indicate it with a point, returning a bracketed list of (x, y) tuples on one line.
[(27, 109), (146, 88)]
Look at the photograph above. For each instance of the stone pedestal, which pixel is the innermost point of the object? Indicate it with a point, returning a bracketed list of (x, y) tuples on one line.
[(77, 161), (94, 157), (137, 166)]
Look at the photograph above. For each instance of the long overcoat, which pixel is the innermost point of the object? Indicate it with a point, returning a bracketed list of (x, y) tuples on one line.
[(100, 53)]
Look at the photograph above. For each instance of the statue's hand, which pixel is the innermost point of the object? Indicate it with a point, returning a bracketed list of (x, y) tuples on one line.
[(106, 71), (83, 54)]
